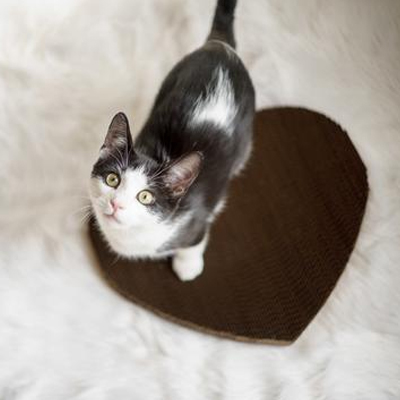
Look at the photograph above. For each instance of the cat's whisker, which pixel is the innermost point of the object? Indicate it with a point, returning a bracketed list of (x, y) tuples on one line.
[(160, 172), (127, 154), (121, 158), (85, 218), (156, 172), (86, 207), (120, 165), (83, 214), (83, 208)]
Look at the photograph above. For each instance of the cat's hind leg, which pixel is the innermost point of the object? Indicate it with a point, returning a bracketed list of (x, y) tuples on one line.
[(188, 263)]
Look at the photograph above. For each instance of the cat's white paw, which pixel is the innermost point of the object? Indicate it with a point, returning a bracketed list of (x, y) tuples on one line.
[(187, 266)]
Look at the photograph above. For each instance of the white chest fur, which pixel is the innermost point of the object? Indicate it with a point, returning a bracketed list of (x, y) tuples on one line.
[(141, 242)]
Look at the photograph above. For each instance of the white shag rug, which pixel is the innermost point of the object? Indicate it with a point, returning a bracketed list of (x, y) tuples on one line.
[(65, 69)]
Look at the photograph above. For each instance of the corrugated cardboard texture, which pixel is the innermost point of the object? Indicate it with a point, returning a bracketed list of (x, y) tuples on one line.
[(278, 249)]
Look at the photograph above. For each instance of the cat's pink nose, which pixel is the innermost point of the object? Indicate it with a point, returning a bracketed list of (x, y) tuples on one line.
[(115, 205)]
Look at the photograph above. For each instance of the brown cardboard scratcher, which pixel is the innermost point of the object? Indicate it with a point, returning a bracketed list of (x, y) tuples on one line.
[(279, 247)]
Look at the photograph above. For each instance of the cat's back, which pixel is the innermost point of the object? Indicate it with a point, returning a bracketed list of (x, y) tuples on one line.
[(214, 71), (206, 103)]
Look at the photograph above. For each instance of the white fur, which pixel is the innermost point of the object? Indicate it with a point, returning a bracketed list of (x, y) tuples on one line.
[(219, 106), (137, 232), (65, 69), (188, 263)]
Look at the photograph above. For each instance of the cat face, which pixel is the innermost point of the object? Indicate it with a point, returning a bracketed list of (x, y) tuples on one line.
[(135, 198), (124, 198)]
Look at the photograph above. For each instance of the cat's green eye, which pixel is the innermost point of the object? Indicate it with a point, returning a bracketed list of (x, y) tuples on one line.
[(145, 197), (112, 180)]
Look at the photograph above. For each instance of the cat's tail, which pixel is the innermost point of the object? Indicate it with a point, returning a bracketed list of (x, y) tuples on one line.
[(222, 27)]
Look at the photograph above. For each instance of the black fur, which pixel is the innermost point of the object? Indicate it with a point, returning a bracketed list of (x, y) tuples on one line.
[(167, 136), (222, 27)]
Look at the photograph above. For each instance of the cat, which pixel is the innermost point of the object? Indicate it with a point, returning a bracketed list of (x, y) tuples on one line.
[(157, 196)]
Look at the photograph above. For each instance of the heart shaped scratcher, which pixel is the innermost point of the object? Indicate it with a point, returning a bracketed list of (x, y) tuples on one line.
[(278, 249)]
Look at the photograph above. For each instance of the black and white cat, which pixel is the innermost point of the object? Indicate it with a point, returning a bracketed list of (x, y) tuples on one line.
[(157, 195)]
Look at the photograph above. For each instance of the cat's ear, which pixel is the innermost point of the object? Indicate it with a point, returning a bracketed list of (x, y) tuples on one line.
[(119, 134), (182, 173)]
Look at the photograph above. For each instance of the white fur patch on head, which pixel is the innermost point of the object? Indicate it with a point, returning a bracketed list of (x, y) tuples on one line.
[(219, 107)]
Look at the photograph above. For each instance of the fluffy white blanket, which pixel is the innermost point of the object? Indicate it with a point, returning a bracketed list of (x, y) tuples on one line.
[(65, 69)]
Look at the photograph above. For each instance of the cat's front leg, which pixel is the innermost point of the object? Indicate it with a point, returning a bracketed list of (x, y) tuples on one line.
[(188, 263)]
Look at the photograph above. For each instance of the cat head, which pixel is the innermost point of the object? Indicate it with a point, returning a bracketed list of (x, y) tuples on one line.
[(131, 191)]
